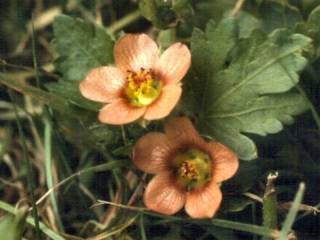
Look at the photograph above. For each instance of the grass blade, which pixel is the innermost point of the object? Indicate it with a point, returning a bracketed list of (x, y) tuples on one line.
[(142, 230), (48, 167), (47, 98), (244, 227), (98, 168), (292, 213)]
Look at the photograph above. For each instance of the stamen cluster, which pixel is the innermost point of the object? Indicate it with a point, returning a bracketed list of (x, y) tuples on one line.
[(142, 87), (193, 169)]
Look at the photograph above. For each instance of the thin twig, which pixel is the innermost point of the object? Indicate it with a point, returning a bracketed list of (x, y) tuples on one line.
[(125, 21), (237, 7)]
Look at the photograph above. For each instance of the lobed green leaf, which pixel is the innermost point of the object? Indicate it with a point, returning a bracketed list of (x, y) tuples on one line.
[(276, 15), (70, 91), (246, 89), (81, 47)]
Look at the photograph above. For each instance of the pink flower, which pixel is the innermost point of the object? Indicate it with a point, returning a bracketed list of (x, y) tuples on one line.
[(142, 84), (188, 170)]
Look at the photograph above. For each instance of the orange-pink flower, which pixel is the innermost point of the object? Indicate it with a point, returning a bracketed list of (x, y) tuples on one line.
[(188, 169), (143, 84)]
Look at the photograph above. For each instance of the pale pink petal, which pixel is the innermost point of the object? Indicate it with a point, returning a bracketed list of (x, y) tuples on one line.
[(224, 162), (173, 63), (120, 112), (151, 153), (163, 195), (102, 84), (162, 106), (205, 202), (135, 51)]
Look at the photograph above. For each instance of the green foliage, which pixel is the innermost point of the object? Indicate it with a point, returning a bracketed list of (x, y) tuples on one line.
[(81, 47), (79, 126), (168, 14), (12, 226), (278, 15), (208, 9), (159, 12), (248, 92), (166, 38), (311, 28), (44, 97), (70, 91), (247, 23), (86, 132), (236, 203)]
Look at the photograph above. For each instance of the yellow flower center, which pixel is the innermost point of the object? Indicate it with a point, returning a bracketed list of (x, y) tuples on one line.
[(193, 168), (142, 88)]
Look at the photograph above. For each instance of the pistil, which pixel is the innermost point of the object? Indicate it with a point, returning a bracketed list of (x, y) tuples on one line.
[(142, 88), (192, 168)]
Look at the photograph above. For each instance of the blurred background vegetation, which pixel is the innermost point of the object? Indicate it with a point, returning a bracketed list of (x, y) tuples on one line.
[(41, 146)]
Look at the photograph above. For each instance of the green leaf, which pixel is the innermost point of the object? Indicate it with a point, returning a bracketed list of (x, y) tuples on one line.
[(247, 24), (235, 203), (208, 9), (180, 4), (159, 12), (70, 91), (148, 9), (250, 92), (85, 132), (279, 15), (311, 28), (12, 226), (224, 36), (166, 38), (81, 47)]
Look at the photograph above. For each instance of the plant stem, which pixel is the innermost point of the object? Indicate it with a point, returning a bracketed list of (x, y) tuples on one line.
[(237, 7), (125, 21), (34, 58), (270, 215)]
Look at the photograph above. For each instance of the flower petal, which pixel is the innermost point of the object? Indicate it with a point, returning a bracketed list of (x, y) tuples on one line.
[(168, 98), (224, 162), (102, 84), (135, 51), (120, 112), (173, 63), (181, 129), (205, 202), (163, 195), (151, 153)]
